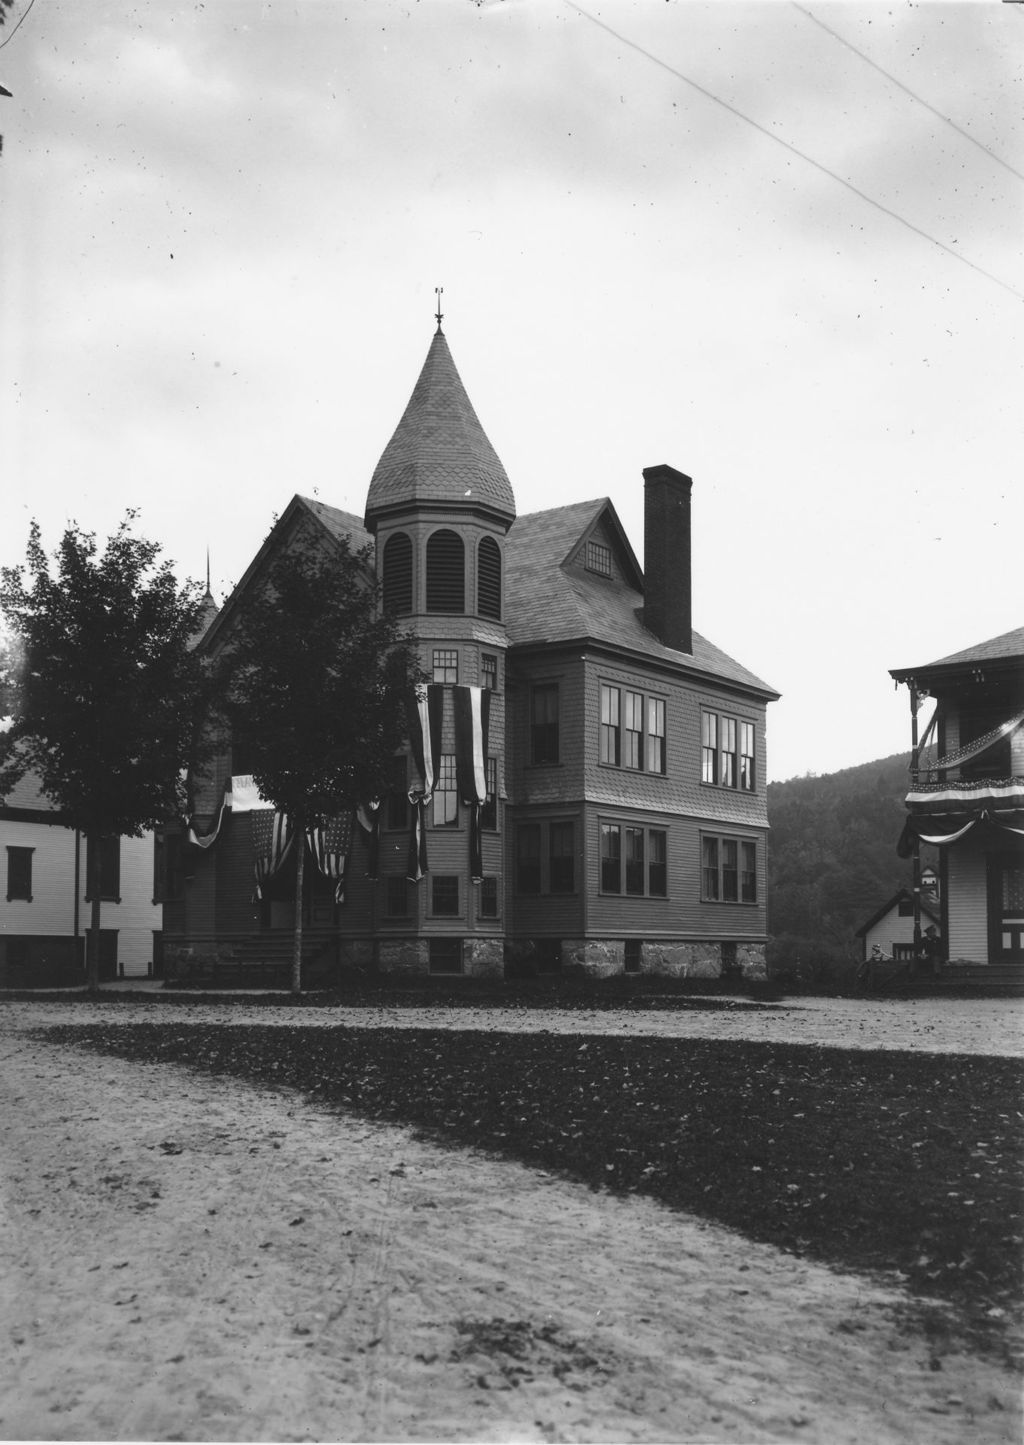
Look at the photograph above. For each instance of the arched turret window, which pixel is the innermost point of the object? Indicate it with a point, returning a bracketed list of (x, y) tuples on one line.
[(446, 573), (488, 579), (397, 578)]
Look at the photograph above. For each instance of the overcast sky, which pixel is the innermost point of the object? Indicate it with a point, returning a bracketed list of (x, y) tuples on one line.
[(222, 226)]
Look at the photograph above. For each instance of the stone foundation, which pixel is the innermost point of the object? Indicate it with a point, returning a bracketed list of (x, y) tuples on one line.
[(604, 958), (410, 957)]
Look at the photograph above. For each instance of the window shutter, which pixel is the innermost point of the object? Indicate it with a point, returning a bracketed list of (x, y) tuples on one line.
[(398, 574), (488, 579), (446, 573)]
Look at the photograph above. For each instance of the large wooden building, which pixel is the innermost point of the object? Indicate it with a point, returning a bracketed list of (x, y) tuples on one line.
[(619, 819), (967, 797)]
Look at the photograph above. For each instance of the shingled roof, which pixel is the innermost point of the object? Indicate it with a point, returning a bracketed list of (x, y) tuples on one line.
[(439, 451), (548, 602), (1007, 647)]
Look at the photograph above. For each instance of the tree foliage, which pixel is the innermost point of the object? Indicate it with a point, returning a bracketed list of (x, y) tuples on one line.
[(315, 675), (832, 860), (101, 686)]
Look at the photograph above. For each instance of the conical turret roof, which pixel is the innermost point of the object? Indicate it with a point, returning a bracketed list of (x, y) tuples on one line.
[(439, 452)]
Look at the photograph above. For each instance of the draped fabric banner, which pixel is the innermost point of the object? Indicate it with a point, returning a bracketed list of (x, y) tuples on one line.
[(472, 707), (416, 863), (207, 840), (368, 817), (426, 713), (942, 829), (331, 847), (980, 745), (426, 709), (272, 840)]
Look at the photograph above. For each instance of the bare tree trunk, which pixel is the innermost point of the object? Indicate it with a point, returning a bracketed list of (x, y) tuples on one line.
[(92, 946), (300, 859)]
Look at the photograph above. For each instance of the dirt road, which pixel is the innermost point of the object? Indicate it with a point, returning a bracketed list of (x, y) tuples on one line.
[(194, 1258)]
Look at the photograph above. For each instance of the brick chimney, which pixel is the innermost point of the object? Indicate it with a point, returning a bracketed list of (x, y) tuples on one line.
[(667, 589)]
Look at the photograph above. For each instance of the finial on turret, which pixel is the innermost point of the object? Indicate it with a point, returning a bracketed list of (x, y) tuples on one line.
[(439, 292), (209, 591)]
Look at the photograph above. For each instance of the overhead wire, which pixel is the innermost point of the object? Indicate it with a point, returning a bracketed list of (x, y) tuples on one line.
[(23, 16), (907, 91), (794, 150)]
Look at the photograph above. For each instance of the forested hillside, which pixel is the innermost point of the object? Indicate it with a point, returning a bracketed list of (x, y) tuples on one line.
[(832, 860)]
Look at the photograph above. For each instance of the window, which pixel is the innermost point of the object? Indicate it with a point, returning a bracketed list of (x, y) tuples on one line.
[(632, 730), (488, 579), (444, 895), (528, 858), (398, 795), (445, 955), (727, 751), (489, 810), (168, 869), (397, 578), (655, 735), (446, 795), (110, 869), (611, 858), (657, 863), (489, 897), (396, 897), (446, 572), (634, 860), (747, 756), (562, 854), (19, 874), (728, 870), (489, 671), (544, 723), (708, 747), (610, 730), (546, 857), (631, 951), (599, 558), (446, 664)]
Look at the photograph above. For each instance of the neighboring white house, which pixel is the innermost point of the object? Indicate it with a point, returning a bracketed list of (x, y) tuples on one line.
[(892, 927), (44, 905)]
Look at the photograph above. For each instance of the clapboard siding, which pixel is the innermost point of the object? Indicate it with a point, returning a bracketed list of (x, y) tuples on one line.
[(966, 901)]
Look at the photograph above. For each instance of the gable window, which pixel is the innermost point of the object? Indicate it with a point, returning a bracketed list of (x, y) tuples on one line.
[(599, 559), (446, 795), (728, 870), (611, 738), (110, 869), (489, 671), (444, 895), (446, 664), (446, 572), (489, 809), (528, 858), (19, 874), (488, 579), (397, 570), (544, 723), (727, 751)]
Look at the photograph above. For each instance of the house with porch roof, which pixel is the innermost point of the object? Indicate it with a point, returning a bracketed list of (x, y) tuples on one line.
[(605, 805), (966, 798)]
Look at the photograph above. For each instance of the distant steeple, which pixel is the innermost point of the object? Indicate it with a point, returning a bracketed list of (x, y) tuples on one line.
[(439, 451)]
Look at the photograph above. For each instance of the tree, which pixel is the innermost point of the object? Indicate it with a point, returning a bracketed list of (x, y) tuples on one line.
[(101, 687), (316, 675)]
